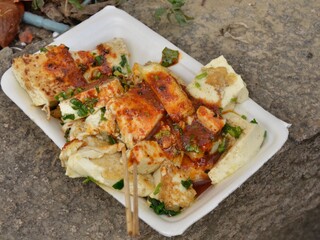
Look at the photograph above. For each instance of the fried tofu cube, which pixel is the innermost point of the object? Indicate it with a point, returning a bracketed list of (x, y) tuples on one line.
[(137, 112), (208, 119), (218, 84), (167, 89)]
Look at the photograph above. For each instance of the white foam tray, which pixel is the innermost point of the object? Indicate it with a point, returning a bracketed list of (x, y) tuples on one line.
[(146, 45)]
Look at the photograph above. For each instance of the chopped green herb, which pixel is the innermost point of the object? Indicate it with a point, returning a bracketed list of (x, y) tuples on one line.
[(43, 49), (186, 183), (117, 71), (201, 75), (67, 134), (111, 140), (97, 75), (98, 60), (89, 179), (90, 103), (233, 131), (118, 185), (97, 89), (265, 134), (192, 148), (222, 146), (169, 57), (68, 116), (81, 108), (162, 133), (103, 111), (157, 189), (64, 95), (123, 61), (235, 99), (197, 85), (254, 121), (244, 117), (160, 209), (177, 128)]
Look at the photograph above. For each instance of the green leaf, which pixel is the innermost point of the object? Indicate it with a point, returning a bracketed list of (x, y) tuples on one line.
[(244, 117), (233, 131), (118, 185), (169, 57), (186, 183), (76, 4), (160, 209), (67, 134), (159, 13), (36, 4)]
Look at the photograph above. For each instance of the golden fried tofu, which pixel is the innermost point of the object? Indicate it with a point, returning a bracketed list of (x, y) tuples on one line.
[(167, 89), (137, 112)]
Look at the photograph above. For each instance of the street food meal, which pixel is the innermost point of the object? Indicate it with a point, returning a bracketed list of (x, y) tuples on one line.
[(179, 138)]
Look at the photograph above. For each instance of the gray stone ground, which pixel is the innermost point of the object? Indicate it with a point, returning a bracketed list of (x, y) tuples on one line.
[(275, 47)]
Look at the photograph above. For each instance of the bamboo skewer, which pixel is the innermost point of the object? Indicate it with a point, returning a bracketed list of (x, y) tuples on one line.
[(131, 218), (127, 192), (135, 201)]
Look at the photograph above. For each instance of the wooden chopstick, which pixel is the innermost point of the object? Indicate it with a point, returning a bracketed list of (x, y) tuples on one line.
[(135, 201), (127, 192), (132, 219)]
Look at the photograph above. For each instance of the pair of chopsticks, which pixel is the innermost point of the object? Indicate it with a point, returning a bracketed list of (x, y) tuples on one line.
[(131, 218)]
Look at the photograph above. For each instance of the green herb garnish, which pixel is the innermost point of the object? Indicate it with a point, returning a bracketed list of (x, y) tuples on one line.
[(197, 85), (186, 183), (192, 148), (68, 116), (111, 140), (103, 111), (222, 146), (169, 57), (162, 133), (76, 4), (118, 185), (265, 134), (233, 131), (98, 60), (177, 128), (157, 189), (254, 121), (244, 117), (201, 75), (160, 209), (235, 99), (67, 134), (43, 49), (89, 179)]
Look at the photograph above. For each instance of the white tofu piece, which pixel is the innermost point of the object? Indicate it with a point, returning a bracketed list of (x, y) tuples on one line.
[(103, 164), (171, 191), (101, 122), (219, 84), (244, 148), (148, 155), (93, 99)]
